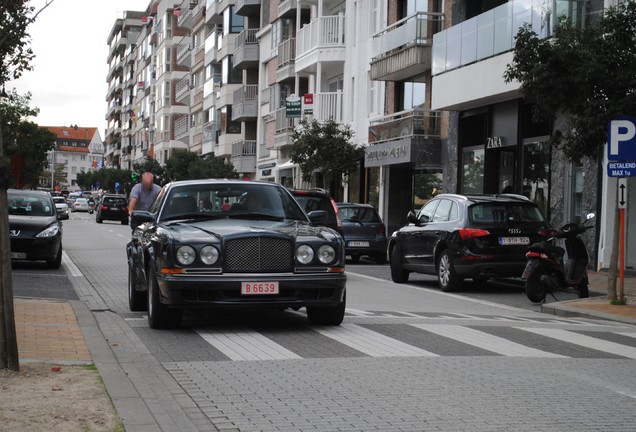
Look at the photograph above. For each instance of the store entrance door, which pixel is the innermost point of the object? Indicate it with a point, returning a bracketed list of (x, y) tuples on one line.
[(500, 170)]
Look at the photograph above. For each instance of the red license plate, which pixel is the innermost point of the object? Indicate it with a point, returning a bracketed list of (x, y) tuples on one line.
[(259, 288)]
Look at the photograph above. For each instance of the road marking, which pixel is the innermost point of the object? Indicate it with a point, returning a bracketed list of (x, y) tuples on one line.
[(632, 335), (585, 341), (485, 341), (70, 265), (357, 312), (245, 345), (372, 343)]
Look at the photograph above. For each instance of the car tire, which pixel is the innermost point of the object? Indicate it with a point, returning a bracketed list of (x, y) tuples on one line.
[(137, 300), (160, 316), (57, 261), (447, 277), (328, 316), (380, 258), (398, 274)]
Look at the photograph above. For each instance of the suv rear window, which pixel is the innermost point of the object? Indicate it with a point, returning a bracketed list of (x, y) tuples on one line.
[(504, 213), (361, 214), (115, 201)]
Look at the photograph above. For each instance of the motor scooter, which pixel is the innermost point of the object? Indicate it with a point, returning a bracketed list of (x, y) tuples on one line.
[(546, 272)]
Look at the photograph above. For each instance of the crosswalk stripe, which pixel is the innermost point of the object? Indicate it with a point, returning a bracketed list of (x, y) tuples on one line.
[(485, 341), (357, 312), (247, 345), (372, 343), (632, 335), (585, 341)]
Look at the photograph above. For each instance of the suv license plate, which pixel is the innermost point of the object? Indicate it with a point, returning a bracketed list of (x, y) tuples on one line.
[(511, 241), (259, 288), (358, 244), (18, 255)]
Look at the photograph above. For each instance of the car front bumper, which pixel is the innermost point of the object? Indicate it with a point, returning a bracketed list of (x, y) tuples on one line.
[(295, 290), (45, 248)]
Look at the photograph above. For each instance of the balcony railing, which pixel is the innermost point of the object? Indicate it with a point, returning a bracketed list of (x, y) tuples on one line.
[(410, 123), (247, 36), (246, 53), (181, 127), (244, 148), (326, 31), (183, 53), (245, 93), (244, 156), (284, 124), (417, 29), (493, 32), (245, 102), (286, 52), (328, 106), (182, 89)]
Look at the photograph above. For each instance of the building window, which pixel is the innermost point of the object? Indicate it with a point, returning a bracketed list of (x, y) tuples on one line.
[(229, 74), (473, 169), (232, 23), (73, 170)]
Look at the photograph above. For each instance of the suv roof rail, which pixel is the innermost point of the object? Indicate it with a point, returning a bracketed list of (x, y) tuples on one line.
[(513, 195), (452, 195)]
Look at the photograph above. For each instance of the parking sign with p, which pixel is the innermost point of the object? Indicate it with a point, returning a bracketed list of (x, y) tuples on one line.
[(622, 139)]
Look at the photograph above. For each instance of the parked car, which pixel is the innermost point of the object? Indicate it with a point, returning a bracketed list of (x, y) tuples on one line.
[(35, 231), (70, 199), (467, 236), (81, 204), (318, 199), (262, 252), (112, 207), (61, 206), (364, 232)]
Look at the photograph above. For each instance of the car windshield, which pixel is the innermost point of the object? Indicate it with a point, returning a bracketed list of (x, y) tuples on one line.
[(504, 213), (25, 204), (358, 214), (236, 200)]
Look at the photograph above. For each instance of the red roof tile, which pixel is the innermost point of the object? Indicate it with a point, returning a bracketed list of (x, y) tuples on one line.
[(72, 133)]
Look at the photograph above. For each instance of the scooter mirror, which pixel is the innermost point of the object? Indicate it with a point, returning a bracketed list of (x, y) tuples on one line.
[(590, 216)]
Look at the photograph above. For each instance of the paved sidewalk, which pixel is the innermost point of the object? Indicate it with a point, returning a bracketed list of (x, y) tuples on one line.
[(599, 307)]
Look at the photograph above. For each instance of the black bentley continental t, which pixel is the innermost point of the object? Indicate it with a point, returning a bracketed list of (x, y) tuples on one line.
[(233, 243)]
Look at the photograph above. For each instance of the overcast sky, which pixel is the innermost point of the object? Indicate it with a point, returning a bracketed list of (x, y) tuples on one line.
[(68, 82)]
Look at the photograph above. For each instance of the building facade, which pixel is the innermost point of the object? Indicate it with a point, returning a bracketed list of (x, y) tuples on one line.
[(76, 150)]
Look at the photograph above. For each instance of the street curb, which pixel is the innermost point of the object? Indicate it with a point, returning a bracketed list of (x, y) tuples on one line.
[(566, 309), (119, 387)]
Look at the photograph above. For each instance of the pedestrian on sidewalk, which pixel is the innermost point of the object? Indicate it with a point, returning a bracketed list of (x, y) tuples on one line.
[(142, 196)]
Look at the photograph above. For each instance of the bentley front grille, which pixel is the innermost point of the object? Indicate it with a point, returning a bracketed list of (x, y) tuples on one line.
[(258, 255)]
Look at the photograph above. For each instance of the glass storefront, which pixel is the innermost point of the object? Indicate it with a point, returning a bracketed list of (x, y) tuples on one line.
[(473, 159), (536, 172)]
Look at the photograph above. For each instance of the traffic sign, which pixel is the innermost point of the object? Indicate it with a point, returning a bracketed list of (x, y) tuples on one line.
[(621, 138), (621, 169), (622, 193), (117, 186)]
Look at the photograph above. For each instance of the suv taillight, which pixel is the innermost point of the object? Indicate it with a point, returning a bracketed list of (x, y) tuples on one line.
[(470, 233)]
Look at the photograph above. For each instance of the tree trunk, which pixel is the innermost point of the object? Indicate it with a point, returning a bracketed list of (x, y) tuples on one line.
[(8, 337)]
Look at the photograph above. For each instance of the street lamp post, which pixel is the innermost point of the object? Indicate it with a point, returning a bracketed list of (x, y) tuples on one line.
[(8, 336)]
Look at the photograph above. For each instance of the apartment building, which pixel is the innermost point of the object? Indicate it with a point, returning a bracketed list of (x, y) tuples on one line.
[(76, 150), (493, 141)]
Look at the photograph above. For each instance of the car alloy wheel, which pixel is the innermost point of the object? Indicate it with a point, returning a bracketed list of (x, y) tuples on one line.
[(447, 277)]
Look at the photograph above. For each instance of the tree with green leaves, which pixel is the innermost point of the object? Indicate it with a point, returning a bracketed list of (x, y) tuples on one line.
[(325, 146), (583, 78), (106, 178), (185, 165), (15, 58)]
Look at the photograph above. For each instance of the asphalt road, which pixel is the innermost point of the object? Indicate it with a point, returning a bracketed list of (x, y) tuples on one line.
[(407, 357)]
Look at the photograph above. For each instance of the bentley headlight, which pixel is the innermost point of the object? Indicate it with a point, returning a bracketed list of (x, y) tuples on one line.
[(326, 254), (186, 255), (209, 255), (304, 254), (50, 231)]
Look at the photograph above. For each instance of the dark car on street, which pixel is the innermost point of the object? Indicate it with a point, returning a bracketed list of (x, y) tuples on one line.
[(35, 231), (364, 232), (467, 236), (112, 207), (318, 199), (233, 244)]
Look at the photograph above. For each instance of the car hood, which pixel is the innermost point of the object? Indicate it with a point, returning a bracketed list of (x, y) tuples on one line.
[(30, 224), (188, 231)]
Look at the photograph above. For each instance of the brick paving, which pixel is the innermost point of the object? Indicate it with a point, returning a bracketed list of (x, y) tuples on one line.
[(48, 331)]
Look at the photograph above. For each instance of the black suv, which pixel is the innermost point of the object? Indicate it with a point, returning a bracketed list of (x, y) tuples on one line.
[(467, 236), (318, 199), (112, 207)]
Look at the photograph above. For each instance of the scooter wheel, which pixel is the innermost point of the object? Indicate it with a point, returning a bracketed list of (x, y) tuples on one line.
[(535, 290)]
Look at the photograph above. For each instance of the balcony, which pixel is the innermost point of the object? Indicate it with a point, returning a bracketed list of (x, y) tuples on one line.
[(245, 106), (328, 106), (244, 156), (322, 40), (223, 146), (182, 90), (287, 8), (209, 137), (225, 94), (182, 128), (286, 60), (247, 7), (184, 56), (407, 136), (246, 53), (185, 19), (284, 128), (403, 51)]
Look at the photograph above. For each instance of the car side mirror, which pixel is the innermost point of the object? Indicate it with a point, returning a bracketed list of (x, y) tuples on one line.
[(411, 216), (318, 217), (141, 216)]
